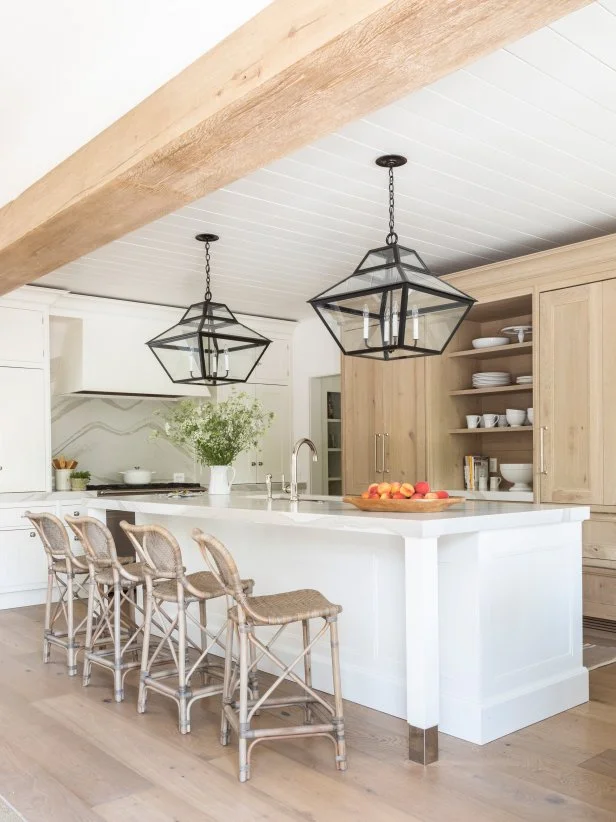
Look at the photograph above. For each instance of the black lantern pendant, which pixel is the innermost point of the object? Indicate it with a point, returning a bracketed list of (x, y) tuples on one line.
[(208, 346), (392, 307)]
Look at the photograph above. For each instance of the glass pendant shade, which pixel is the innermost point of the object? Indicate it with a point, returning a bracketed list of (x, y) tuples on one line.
[(392, 307), (209, 346)]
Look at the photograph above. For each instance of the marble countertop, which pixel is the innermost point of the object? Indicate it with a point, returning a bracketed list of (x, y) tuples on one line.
[(333, 514)]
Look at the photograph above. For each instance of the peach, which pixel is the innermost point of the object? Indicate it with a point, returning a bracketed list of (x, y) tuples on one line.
[(395, 487), (422, 487), (372, 487), (365, 495), (417, 496), (407, 489), (383, 488), (385, 495), (431, 495), (398, 495), (442, 494)]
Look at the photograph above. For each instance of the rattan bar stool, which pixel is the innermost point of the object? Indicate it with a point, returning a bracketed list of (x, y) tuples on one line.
[(67, 572), (279, 610), (167, 584), (112, 632)]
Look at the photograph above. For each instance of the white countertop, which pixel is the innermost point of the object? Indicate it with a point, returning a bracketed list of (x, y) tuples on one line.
[(335, 515), (19, 500)]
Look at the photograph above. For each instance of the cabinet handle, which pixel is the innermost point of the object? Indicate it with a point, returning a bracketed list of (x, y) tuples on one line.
[(260, 463), (75, 513), (0, 468), (253, 464), (32, 533), (542, 468), (377, 470), (385, 469)]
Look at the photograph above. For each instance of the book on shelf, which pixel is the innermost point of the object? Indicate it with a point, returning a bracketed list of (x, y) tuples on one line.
[(476, 467)]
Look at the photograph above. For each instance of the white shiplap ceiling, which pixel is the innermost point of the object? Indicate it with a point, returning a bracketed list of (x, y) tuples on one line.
[(511, 155)]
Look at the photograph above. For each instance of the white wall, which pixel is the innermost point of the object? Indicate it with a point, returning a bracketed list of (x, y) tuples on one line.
[(314, 354), (71, 68)]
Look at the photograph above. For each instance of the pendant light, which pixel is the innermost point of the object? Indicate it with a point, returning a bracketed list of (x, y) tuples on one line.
[(208, 346), (392, 307)]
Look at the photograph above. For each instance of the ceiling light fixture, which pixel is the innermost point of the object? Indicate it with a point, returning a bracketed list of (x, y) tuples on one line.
[(392, 307), (208, 346)]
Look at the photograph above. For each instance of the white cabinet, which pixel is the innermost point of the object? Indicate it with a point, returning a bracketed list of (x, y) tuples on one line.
[(273, 367), (23, 430), (274, 455), (22, 336), (23, 567)]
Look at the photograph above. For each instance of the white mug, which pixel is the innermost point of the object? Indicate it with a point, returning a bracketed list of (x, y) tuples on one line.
[(472, 420), (502, 421), (489, 420), (494, 483), (220, 483), (483, 484)]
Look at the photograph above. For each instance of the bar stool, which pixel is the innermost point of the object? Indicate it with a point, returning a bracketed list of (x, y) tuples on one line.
[(279, 610), (112, 634), (67, 572), (167, 584)]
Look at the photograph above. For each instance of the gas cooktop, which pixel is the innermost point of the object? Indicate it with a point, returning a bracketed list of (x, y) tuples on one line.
[(113, 489)]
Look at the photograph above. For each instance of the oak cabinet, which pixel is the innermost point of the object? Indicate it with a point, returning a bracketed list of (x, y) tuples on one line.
[(383, 412)]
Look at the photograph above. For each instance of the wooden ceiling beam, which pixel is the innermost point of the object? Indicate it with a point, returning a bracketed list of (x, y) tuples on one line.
[(294, 73)]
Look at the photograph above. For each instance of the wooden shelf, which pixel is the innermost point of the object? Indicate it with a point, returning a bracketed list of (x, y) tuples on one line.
[(334, 419), (516, 429), (499, 389), (495, 351)]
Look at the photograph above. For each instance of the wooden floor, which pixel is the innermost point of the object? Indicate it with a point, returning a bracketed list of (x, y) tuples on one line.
[(69, 754)]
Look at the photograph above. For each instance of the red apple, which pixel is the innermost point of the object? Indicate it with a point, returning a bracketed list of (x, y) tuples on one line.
[(442, 494), (372, 487), (417, 496), (422, 487), (398, 495)]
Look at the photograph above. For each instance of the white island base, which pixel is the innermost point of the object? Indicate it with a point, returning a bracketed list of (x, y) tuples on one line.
[(468, 622)]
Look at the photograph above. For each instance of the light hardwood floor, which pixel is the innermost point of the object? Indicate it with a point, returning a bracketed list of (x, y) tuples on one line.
[(69, 754)]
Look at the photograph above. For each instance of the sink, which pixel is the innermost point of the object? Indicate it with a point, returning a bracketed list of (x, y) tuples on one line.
[(302, 498)]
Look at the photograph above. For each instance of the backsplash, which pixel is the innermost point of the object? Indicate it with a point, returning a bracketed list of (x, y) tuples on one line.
[(110, 434)]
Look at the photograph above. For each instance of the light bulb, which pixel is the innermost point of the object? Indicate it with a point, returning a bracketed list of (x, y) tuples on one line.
[(366, 323), (415, 314)]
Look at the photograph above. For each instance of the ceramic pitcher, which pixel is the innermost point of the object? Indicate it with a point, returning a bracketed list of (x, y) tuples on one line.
[(221, 479)]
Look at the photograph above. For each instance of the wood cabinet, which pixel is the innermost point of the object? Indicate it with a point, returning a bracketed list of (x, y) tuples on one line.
[(383, 412), (573, 352), (23, 430)]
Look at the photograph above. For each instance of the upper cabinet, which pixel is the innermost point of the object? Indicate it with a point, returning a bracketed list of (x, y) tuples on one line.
[(22, 337), (24, 421), (574, 372)]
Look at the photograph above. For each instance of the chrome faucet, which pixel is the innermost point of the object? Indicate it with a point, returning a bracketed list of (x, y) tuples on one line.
[(296, 448)]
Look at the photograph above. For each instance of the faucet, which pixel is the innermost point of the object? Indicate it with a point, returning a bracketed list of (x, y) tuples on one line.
[(296, 448)]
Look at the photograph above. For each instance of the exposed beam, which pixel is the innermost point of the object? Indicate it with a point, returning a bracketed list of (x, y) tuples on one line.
[(297, 71)]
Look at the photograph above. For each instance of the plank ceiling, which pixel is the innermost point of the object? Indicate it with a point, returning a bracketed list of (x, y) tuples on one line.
[(512, 155)]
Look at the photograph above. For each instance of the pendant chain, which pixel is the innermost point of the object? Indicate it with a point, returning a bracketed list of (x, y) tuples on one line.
[(392, 237), (208, 292)]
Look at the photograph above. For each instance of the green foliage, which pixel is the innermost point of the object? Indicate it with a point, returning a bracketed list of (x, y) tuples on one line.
[(217, 432), (81, 475)]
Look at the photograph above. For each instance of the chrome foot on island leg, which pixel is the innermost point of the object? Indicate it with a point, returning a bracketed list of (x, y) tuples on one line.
[(423, 744)]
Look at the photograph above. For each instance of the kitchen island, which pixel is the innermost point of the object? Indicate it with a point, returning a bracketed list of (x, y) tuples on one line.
[(467, 621)]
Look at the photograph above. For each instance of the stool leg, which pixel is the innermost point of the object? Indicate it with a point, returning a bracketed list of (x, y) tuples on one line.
[(204, 642), (226, 685), (243, 714), (70, 627), (87, 665), (341, 762), (182, 689), (307, 667), (145, 649), (117, 640), (47, 627)]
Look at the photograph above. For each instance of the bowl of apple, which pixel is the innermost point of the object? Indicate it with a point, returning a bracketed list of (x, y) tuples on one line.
[(403, 497)]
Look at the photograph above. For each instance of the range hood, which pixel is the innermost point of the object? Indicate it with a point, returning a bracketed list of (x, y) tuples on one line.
[(102, 355)]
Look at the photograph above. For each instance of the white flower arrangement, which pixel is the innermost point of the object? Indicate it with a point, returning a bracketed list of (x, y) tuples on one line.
[(217, 432)]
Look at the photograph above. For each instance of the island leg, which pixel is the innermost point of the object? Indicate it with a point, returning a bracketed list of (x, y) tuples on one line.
[(422, 647)]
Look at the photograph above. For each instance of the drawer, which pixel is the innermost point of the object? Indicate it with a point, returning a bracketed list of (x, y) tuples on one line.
[(599, 585), (72, 511), (599, 541), (13, 517)]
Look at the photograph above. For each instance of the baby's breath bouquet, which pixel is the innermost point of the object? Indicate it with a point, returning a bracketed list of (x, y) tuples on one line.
[(218, 432)]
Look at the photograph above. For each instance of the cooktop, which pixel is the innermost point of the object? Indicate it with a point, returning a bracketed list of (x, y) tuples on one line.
[(150, 488)]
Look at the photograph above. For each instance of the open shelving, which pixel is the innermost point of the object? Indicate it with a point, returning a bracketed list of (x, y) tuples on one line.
[(499, 389), (495, 351), (514, 429)]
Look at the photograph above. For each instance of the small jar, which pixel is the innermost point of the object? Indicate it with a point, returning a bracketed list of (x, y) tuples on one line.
[(63, 479)]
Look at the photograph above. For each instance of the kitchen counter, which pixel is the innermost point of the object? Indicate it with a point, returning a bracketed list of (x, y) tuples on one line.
[(468, 621)]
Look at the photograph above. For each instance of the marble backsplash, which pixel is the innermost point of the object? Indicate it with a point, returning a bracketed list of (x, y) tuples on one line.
[(110, 434)]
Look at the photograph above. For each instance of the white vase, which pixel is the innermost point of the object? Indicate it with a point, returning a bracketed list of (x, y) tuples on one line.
[(220, 483)]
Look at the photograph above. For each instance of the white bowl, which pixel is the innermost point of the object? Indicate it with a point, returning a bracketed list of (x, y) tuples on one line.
[(515, 416), (490, 342), (519, 473)]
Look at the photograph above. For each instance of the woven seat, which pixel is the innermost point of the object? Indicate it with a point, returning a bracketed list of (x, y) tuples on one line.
[(291, 606), (62, 567), (203, 581), (135, 569)]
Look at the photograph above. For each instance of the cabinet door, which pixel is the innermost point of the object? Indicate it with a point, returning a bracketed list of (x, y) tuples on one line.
[(273, 367), (404, 420), (274, 457), (609, 391), (361, 384), (22, 336), (571, 385), (23, 425), (23, 565)]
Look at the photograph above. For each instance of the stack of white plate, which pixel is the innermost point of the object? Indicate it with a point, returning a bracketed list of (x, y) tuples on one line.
[(491, 379), (524, 380)]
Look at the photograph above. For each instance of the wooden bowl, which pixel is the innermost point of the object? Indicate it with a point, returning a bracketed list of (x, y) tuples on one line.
[(404, 506)]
